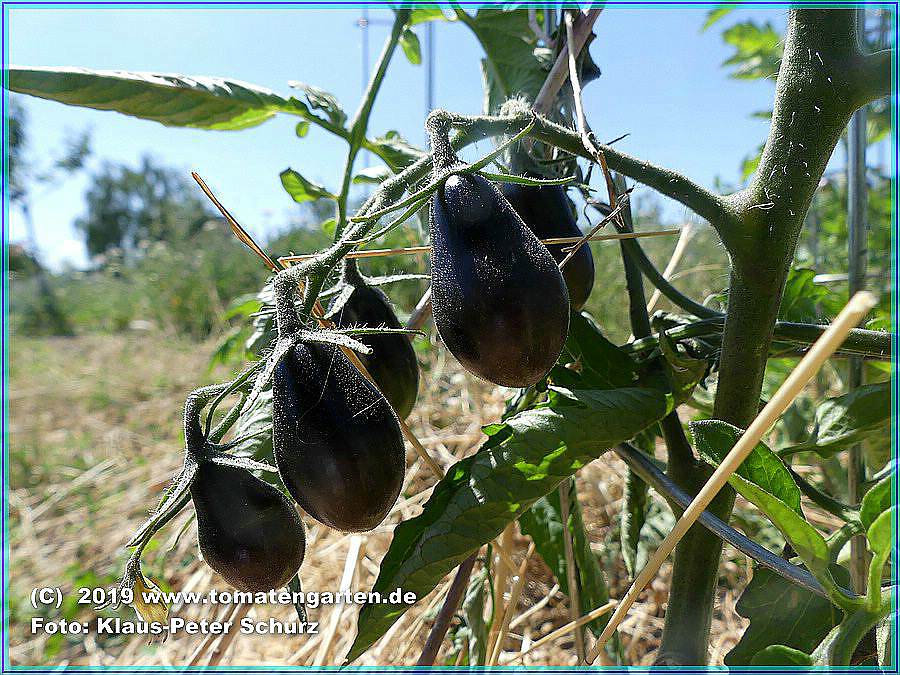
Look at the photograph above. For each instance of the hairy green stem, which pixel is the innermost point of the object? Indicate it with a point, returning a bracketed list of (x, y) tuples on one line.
[(815, 94), (867, 344), (360, 123)]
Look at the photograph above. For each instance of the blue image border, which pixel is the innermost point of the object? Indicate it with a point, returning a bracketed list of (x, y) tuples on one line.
[(8, 5)]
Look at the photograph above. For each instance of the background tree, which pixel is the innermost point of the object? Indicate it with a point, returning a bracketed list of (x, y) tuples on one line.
[(127, 207)]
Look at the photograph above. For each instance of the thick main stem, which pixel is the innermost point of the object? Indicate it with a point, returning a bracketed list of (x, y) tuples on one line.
[(822, 79)]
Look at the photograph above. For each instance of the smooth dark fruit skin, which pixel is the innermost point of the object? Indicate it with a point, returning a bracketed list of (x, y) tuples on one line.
[(337, 443), (546, 212), (498, 298), (392, 363), (249, 532)]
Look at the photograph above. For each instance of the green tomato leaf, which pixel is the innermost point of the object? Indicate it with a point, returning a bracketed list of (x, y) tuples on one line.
[(301, 189), (637, 497), (683, 371), (757, 50), (409, 41), (782, 614), (848, 419), (763, 468), (523, 459), (779, 655), (394, 150), (514, 64), (255, 422), (806, 302), (593, 361), (879, 533), (803, 537), (426, 14), (543, 523), (716, 14), (172, 100), (372, 175), (876, 501)]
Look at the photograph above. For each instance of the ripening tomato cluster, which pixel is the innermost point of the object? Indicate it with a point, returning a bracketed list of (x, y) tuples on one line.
[(500, 304)]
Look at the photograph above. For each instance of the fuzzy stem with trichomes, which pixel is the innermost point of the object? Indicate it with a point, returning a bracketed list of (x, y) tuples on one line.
[(822, 79), (360, 123)]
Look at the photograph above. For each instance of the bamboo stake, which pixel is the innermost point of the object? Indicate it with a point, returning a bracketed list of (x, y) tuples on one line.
[(806, 369), (565, 629), (420, 250), (510, 609)]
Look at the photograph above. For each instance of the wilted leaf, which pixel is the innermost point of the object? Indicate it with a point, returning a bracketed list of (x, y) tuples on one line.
[(147, 602)]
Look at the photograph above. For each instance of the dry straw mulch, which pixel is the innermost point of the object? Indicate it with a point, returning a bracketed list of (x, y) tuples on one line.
[(95, 436)]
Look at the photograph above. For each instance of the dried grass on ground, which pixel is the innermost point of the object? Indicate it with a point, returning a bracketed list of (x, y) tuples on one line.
[(95, 435)]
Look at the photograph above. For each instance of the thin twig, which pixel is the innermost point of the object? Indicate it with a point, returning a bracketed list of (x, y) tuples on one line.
[(420, 313), (239, 232), (849, 317), (583, 129), (421, 250), (451, 602)]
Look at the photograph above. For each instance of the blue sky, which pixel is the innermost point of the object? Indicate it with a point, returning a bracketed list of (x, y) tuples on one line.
[(662, 83)]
